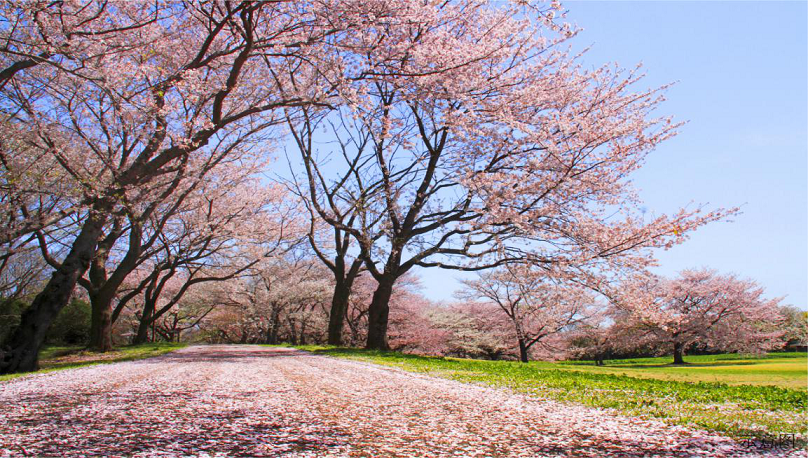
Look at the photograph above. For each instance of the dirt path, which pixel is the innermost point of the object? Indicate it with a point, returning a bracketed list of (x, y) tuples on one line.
[(259, 401)]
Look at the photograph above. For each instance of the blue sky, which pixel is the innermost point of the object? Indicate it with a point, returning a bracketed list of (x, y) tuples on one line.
[(741, 74)]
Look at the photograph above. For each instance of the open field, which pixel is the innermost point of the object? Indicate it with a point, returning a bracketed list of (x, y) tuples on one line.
[(786, 370), (730, 395), (58, 358)]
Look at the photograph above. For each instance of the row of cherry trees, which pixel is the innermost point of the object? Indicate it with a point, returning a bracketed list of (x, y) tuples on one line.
[(699, 309), (135, 164), (502, 314), (478, 142), (117, 114)]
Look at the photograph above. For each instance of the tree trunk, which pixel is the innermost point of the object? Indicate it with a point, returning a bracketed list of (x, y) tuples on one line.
[(101, 323), (102, 288), (20, 353), (292, 331), (274, 327), (678, 353), (142, 335), (339, 306), (378, 314), (523, 350), (268, 335)]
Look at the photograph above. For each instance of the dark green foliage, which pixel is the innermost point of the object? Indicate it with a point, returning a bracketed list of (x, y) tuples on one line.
[(10, 311), (72, 325)]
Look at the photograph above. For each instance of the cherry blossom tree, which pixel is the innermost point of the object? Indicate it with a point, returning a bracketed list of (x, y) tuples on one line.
[(282, 300), (700, 307), (344, 268), (468, 138), (217, 203), (124, 96), (227, 227), (21, 274), (609, 333), (32, 196), (795, 326), (478, 140), (406, 298), (591, 342), (537, 306), (458, 330)]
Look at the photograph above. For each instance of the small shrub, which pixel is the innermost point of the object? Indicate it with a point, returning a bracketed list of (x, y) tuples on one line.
[(72, 325)]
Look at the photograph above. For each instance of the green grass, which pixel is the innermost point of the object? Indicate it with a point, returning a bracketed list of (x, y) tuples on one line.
[(785, 370), (684, 397), (59, 358)]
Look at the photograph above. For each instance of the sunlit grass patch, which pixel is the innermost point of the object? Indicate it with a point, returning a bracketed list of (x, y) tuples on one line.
[(785, 370)]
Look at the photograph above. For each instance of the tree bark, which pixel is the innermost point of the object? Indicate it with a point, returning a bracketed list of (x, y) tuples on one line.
[(292, 331), (101, 323), (274, 327), (523, 351), (378, 315), (21, 350), (102, 288), (142, 335), (678, 353), (339, 306)]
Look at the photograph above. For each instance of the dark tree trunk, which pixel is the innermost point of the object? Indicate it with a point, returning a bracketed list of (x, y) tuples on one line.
[(678, 353), (339, 306), (102, 288), (274, 328), (378, 314), (142, 335), (100, 297), (292, 331), (523, 350), (101, 323), (268, 335), (343, 283), (146, 320), (20, 353)]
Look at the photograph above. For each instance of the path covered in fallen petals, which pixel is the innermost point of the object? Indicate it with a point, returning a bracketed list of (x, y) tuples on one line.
[(259, 401)]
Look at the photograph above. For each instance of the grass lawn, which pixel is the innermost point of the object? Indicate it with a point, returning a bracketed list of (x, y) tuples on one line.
[(737, 396), (786, 370), (58, 358)]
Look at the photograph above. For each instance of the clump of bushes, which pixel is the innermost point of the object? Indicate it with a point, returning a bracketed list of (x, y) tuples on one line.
[(71, 326)]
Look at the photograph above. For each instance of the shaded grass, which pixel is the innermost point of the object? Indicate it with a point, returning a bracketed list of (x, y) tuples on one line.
[(59, 358), (737, 410)]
